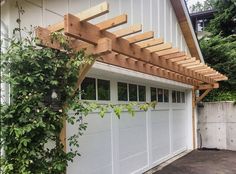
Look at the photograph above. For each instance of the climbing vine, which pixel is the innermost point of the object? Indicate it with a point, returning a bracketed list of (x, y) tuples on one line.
[(43, 85)]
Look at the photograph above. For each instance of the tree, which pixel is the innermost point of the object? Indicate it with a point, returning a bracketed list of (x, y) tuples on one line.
[(220, 53), (206, 5), (224, 22), (219, 49)]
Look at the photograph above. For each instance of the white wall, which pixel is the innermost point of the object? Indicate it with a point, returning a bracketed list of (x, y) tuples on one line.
[(156, 15)]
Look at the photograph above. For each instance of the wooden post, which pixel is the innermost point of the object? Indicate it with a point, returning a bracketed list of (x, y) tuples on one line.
[(63, 133), (198, 99)]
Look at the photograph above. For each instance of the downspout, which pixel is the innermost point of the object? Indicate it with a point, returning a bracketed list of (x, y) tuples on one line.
[(194, 117)]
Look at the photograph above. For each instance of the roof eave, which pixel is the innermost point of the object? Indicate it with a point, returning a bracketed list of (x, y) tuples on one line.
[(183, 17)]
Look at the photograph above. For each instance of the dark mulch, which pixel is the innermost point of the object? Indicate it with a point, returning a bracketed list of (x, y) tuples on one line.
[(203, 162)]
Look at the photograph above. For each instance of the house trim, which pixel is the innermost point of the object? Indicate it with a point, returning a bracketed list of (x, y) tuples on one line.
[(182, 15)]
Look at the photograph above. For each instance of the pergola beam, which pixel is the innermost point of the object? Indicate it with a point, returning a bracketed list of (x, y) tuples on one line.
[(129, 63), (196, 67), (104, 45), (178, 59), (221, 78), (127, 31), (86, 15), (190, 60), (114, 22), (207, 69), (207, 86), (174, 55), (167, 52), (159, 47), (103, 48), (151, 42), (213, 74), (207, 72), (197, 62), (91, 33), (140, 37)]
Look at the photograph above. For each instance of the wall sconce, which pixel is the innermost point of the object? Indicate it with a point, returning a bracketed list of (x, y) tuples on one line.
[(53, 100)]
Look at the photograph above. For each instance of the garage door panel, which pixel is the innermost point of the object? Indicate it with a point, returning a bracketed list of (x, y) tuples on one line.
[(160, 152), (127, 121), (160, 116), (95, 146), (95, 124), (160, 134), (132, 142), (179, 130), (133, 163)]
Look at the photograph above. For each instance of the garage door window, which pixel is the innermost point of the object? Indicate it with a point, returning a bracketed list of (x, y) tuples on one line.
[(173, 96), (142, 93), (103, 89), (153, 94), (160, 95), (166, 95), (122, 91), (178, 97), (131, 92), (88, 88), (182, 97), (95, 89)]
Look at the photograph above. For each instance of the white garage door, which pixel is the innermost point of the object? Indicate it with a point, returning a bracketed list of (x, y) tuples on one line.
[(131, 144)]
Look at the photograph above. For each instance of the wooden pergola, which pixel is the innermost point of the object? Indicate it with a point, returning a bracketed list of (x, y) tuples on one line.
[(130, 49), (138, 52)]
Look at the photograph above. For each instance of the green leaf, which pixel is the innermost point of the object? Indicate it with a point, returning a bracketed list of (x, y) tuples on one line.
[(27, 110)]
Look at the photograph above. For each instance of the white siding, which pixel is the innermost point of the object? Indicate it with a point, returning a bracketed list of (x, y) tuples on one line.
[(156, 15)]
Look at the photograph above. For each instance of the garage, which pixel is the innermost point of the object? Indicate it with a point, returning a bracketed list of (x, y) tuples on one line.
[(132, 144), (142, 51)]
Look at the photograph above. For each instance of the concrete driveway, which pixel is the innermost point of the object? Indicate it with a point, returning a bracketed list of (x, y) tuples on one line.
[(203, 162)]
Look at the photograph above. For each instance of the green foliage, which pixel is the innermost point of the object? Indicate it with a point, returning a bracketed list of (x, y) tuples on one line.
[(224, 22), (219, 49), (204, 6), (31, 120), (220, 54), (43, 85), (219, 95)]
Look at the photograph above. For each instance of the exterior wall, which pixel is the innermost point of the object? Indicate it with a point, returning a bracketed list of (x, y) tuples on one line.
[(133, 144), (4, 91), (217, 125), (156, 15)]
